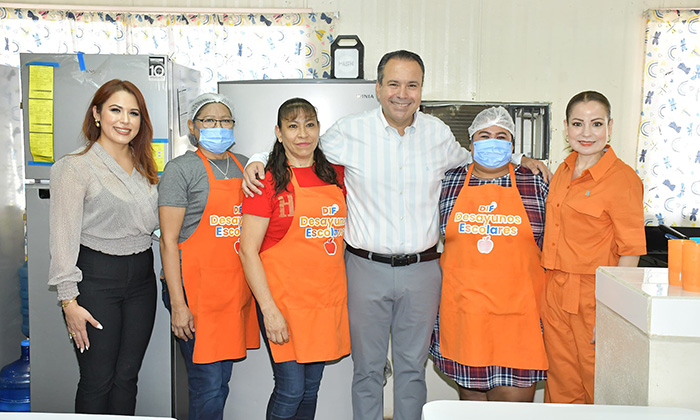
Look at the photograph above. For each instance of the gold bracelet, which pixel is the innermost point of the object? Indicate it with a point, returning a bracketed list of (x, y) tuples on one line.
[(65, 304)]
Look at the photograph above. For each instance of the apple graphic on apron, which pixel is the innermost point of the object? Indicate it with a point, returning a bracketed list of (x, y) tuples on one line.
[(330, 246), (485, 244)]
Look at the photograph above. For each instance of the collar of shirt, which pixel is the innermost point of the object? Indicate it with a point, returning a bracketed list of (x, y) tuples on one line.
[(134, 184), (408, 130), (108, 160), (600, 168)]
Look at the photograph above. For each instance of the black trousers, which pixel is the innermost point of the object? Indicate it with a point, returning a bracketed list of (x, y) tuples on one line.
[(120, 293)]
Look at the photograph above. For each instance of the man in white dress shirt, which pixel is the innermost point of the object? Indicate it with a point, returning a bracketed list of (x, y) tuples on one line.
[(395, 158)]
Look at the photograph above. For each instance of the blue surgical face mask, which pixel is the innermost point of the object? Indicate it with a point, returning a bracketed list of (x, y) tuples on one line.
[(492, 153), (216, 140)]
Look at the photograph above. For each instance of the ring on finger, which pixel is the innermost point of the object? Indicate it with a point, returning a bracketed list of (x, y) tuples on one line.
[(70, 335)]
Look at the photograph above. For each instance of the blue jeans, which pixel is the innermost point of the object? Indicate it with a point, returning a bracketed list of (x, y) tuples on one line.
[(296, 386), (208, 382)]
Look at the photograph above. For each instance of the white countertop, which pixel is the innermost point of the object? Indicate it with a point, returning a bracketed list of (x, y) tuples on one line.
[(468, 410), (643, 297)]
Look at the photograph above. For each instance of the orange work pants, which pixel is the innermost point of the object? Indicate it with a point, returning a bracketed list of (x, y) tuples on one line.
[(568, 318)]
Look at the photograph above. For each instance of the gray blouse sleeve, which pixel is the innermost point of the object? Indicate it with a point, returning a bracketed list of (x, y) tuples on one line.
[(68, 191)]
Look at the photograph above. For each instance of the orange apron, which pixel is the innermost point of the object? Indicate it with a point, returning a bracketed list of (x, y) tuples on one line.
[(492, 281), (306, 275), (217, 293)]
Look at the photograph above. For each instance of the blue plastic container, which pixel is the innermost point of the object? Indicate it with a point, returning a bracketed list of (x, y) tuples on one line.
[(14, 383), (24, 296)]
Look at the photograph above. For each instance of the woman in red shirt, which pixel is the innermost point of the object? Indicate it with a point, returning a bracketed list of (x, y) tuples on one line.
[(291, 251)]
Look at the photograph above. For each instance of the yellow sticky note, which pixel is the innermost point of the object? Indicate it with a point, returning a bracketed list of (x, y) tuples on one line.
[(40, 115), (40, 82), (159, 155), (41, 146)]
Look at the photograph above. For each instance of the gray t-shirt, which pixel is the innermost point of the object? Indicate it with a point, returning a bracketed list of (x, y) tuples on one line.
[(184, 183)]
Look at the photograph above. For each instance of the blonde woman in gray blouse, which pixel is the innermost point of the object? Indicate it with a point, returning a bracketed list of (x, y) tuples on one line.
[(103, 212)]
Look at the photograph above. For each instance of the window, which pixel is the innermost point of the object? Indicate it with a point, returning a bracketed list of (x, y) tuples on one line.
[(668, 153), (222, 46)]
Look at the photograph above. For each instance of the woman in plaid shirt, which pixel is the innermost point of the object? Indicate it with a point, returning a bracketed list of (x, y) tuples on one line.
[(487, 336)]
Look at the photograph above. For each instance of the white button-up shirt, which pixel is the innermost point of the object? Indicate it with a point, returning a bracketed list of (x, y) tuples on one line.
[(392, 181)]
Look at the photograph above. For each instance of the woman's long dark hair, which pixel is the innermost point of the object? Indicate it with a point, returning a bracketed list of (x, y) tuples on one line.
[(278, 166)]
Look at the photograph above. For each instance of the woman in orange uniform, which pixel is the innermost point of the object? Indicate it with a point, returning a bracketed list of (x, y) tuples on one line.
[(291, 250), (488, 336), (594, 218), (212, 310)]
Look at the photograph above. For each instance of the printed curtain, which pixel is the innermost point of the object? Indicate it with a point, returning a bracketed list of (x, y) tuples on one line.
[(221, 46), (669, 133)]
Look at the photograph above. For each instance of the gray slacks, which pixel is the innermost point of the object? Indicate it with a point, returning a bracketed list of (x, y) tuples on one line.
[(403, 302)]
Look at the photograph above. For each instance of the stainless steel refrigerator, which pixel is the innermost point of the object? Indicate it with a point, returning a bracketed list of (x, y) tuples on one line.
[(56, 91), (255, 111)]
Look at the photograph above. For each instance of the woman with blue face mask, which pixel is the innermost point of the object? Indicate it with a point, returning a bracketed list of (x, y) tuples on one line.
[(488, 337), (211, 307)]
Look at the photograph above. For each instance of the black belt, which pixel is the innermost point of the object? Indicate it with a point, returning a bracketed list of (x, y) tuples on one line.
[(396, 260)]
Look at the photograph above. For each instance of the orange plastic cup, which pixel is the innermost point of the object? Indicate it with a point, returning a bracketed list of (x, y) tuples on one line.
[(675, 261), (690, 273)]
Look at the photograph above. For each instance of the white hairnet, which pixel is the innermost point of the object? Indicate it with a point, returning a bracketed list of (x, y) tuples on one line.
[(492, 116), (206, 99), (203, 100)]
